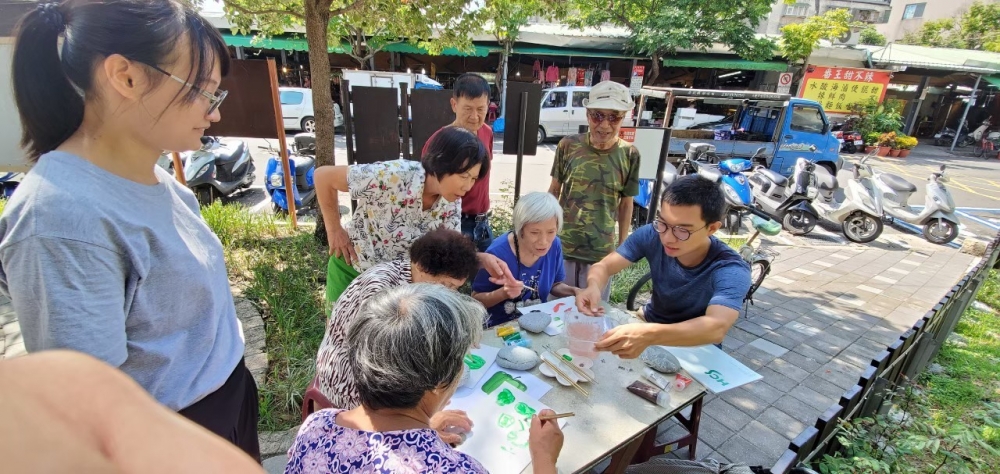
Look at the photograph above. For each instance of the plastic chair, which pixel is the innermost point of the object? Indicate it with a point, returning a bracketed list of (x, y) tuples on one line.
[(314, 400)]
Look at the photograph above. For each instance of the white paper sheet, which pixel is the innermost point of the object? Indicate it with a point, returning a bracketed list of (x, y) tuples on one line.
[(713, 368), (501, 420), (535, 387), (482, 358)]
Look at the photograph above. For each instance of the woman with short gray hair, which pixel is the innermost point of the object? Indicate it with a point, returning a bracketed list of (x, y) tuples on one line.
[(407, 346), (533, 253)]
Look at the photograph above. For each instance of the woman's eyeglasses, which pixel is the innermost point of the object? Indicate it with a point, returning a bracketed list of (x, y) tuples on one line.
[(214, 100), (679, 232), (599, 117)]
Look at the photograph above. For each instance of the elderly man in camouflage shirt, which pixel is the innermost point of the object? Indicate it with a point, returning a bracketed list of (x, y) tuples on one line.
[(595, 175)]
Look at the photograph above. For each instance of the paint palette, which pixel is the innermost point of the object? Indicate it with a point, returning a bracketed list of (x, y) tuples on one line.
[(562, 360)]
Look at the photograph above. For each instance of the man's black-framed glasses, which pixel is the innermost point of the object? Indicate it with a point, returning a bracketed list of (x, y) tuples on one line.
[(679, 232), (214, 100)]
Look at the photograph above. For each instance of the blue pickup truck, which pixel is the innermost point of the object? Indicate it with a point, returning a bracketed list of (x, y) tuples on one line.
[(786, 127)]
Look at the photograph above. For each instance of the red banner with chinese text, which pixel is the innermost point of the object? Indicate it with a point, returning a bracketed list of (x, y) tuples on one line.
[(836, 88)]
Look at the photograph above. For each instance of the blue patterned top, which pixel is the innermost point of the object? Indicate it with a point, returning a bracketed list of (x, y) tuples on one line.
[(323, 446)]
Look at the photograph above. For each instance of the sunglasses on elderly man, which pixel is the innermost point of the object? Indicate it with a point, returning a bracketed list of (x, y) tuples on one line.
[(599, 117)]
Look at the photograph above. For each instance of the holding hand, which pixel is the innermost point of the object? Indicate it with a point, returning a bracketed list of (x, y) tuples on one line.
[(513, 290), (450, 425), (627, 341), (588, 301), (545, 440), (341, 245), (497, 268)]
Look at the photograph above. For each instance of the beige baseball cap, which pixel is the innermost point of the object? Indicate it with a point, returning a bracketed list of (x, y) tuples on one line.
[(610, 95)]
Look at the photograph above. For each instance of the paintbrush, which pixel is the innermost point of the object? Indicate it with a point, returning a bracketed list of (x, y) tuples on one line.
[(563, 375), (556, 416)]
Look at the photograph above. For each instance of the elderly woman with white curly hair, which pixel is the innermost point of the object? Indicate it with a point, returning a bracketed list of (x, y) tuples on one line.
[(407, 346), (534, 255)]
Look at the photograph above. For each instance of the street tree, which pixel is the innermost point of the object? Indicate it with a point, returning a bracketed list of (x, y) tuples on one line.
[(871, 36), (504, 19), (663, 27), (976, 28), (798, 40)]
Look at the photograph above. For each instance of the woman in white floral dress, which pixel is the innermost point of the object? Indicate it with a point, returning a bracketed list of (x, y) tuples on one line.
[(398, 201)]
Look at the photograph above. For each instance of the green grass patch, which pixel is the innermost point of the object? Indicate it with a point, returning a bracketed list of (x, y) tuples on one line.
[(281, 270)]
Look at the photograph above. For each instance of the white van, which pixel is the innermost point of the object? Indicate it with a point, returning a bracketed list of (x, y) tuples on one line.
[(297, 109), (563, 112)]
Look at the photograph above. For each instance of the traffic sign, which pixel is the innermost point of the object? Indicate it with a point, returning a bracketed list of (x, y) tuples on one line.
[(785, 79)]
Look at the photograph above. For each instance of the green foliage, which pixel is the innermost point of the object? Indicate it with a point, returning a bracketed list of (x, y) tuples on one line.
[(871, 138), (950, 422), (502, 217), (905, 142), (661, 27), (505, 18), (976, 28), (280, 271), (871, 117), (869, 35), (798, 40)]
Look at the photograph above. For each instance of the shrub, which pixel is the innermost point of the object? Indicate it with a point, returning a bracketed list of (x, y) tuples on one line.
[(905, 142)]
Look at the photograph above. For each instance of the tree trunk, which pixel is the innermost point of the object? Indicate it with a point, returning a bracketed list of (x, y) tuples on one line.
[(317, 18), (502, 76), (654, 72)]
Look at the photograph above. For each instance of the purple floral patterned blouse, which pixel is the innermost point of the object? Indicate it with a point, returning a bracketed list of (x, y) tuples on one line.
[(323, 446)]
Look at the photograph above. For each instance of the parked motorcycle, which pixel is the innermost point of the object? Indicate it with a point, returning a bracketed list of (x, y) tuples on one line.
[(940, 225), (850, 140), (736, 188), (302, 164), (947, 136), (789, 202), (988, 144), (695, 156), (860, 213), (217, 170), (8, 185)]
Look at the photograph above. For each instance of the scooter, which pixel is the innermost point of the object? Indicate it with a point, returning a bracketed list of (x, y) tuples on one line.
[(8, 185), (789, 202), (849, 140), (736, 188), (938, 215), (219, 169), (302, 165), (860, 213), (695, 156), (989, 144)]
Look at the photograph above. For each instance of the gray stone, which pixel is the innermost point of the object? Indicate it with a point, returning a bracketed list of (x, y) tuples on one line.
[(798, 410), (257, 365), (276, 464), (935, 369), (812, 397), (276, 443), (769, 347), (765, 438), (535, 321), (980, 306), (713, 433), (726, 414), (781, 423), (661, 360), (741, 450), (517, 358)]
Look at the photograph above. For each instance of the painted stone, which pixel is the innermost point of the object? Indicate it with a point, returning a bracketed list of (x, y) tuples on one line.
[(517, 358), (535, 321), (661, 360)]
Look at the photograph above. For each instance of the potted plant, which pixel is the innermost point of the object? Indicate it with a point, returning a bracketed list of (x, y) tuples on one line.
[(905, 143), (885, 143), (871, 141)]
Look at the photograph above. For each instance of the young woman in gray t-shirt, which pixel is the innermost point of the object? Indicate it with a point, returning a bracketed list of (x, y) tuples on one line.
[(101, 251)]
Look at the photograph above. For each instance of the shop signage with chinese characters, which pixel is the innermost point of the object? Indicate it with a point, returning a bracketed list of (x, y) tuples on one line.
[(836, 88)]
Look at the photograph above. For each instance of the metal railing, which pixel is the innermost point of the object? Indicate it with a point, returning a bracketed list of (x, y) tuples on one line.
[(902, 360)]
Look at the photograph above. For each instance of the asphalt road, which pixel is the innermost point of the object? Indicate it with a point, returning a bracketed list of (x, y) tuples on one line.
[(973, 182)]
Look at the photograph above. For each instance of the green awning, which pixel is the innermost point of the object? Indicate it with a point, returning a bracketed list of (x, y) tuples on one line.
[(479, 51), (278, 42), (993, 80), (724, 62), (583, 53)]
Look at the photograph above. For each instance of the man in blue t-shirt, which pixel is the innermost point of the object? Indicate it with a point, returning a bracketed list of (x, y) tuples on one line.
[(698, 282)]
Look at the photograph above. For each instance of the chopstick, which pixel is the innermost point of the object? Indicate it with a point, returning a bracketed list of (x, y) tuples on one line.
[(563, 375), (580, 371), (555, 417)]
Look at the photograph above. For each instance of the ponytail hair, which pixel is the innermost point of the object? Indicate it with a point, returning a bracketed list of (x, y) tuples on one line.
[(51, 84)]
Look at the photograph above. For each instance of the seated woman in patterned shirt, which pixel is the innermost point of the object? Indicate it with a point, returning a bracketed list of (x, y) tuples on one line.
[(442, 256), (398, 201), (406, 346)]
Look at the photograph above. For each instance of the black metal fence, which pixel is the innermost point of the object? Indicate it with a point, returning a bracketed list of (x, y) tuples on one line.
[(904, 359)]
